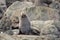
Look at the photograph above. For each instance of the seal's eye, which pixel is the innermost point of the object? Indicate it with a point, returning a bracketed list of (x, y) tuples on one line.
[(23, 16)]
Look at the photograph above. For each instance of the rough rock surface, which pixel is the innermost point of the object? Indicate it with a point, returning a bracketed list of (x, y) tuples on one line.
[(15, 11), (48, 29), (12, 14), (28, 37), (35, 2), (2, 8), (42, 18), (33, 13), (55, 5), (42, 13)]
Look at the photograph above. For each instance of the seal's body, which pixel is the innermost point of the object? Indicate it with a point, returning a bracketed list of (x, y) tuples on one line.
[(25, 25)]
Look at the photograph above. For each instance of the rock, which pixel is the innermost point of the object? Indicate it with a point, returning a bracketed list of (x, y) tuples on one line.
[(45, 2), (12, 32), (8, 3), (57, 0), (9, 32), (3, 5), (48, 37), (5, 24), (49, 28), (35, 2), (15, 11), (11, 13), (55, 5), (38, 25), (42, 13), (57, 24), (26, 37), (15, 32), (4, 36), (2, 8)]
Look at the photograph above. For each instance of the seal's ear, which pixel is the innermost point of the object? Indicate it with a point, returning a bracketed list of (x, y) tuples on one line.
[(23, 16)]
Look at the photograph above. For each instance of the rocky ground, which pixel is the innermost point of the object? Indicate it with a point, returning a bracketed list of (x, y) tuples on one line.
[(29, 20)]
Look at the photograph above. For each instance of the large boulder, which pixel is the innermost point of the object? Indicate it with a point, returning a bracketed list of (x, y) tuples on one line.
[(14, 12), (17, 8), (46, 27), (42, 13), (33, 13), (49, 28)]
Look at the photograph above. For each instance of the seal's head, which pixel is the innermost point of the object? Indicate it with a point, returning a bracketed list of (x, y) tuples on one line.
[(23, 16)]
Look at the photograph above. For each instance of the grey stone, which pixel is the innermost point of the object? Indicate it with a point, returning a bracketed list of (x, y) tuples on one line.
[(49, 28), (38, 25), (55, 5), (5, 24), (14, 12), (57, 24), (3, 8), (42, 13), (9, 32), (4, 36), (48, 37)]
